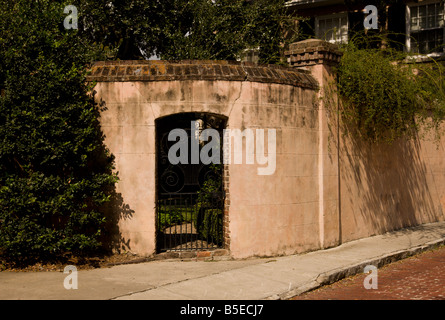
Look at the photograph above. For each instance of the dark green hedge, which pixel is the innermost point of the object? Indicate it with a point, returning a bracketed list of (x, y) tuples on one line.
[(55, 173)]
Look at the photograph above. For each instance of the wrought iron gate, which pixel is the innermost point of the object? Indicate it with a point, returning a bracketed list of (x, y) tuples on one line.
[(190, 197)]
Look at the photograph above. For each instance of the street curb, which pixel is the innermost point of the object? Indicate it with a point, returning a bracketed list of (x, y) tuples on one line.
[(337, 274)]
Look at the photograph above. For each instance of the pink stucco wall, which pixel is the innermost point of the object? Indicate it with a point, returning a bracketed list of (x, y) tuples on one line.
[(327, 188), (267, 214)]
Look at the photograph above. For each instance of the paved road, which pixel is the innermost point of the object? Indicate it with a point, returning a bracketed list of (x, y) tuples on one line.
[(421, 277)]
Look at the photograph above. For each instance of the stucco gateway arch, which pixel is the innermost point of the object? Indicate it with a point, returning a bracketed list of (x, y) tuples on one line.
[(264, 214), (190, 189)]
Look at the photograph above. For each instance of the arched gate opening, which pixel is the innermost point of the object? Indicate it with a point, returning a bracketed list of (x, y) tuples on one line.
[(189, 182)]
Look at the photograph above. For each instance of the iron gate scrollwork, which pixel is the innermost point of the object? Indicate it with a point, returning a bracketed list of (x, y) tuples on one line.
[(190, 196)]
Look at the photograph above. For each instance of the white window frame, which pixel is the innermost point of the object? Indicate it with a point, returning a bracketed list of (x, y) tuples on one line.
[(332, 16), (408, 24)]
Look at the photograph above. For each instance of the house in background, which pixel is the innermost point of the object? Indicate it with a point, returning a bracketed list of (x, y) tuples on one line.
[(415, 26), (425, 26)]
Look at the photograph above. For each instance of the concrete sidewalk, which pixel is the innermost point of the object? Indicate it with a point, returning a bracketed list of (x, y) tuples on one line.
[(271, 278)]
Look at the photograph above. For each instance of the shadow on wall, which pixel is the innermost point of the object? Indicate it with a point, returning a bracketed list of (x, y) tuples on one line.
[(407, 232), (384, 187), (115, 210)]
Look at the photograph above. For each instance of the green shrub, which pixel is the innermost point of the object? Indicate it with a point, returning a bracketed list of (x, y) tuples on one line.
[(169, 216), (55, 173), (209, 215), (209, 225)]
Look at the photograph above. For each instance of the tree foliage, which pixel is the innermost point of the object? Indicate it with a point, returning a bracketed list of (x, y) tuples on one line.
[(54, 168), (185, 29)]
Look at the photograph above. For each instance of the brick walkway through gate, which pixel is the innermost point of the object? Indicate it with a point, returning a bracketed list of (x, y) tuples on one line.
[(421, 277)]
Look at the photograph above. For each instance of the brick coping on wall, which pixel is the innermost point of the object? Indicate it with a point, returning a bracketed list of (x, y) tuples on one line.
[(160, 70)]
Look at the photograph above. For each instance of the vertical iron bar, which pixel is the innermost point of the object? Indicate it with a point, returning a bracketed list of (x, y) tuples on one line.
[(164, 230), (186, 224), (190, 218), (170, 228), (190, 212), (158, 224), (209, 221), (175, 242), (181, 222)]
